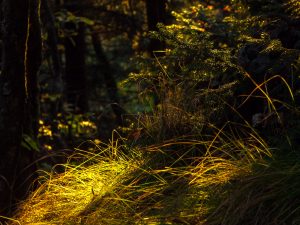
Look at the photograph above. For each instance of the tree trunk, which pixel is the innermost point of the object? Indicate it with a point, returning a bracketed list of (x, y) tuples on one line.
[(75, 77), (56, 83), (110, 82), (18, 99), (156, 13), (52, 40)]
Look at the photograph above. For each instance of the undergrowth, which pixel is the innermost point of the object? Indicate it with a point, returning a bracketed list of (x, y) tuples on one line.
[(148, 186), (184, 162)]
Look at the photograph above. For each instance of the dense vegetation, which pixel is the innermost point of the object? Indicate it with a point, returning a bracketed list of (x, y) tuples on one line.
[(174, 112)]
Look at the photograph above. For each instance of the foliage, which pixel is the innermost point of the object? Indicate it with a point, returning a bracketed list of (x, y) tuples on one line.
[(223, 62), (74, 128), (195, 77), (217, 142), (294, 7)]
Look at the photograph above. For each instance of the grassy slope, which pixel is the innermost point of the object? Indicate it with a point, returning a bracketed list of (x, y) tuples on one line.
[(230, 183)]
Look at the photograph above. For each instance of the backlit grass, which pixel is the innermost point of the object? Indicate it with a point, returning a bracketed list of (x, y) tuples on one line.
[(147, 186)]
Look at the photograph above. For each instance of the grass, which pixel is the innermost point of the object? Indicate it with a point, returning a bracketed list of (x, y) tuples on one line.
[(148, 186), (270, 195), (165, 175)]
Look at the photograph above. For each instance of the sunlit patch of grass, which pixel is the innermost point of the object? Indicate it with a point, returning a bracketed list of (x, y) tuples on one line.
[(62, 198), (156, 184)]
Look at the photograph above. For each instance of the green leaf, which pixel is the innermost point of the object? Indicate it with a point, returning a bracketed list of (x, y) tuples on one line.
[(29, 143), (87, 21)]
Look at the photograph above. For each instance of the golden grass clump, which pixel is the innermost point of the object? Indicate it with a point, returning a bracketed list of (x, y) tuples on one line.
[(146, 186), (64, 197)]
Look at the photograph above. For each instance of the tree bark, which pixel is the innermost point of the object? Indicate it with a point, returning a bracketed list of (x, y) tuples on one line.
[(75, 77), (18, 99), (56, 83), (156, 13), (110, 82), (52, 40)]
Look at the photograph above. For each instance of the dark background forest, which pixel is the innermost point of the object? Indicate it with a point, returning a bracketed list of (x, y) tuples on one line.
[(150, 112)]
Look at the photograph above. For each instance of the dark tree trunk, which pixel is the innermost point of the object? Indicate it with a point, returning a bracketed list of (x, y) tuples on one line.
[(75, 77), (57, 2), (52, 40), (18, 99), (108, 76), (33, 62), (156, 13), (56, 84)]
